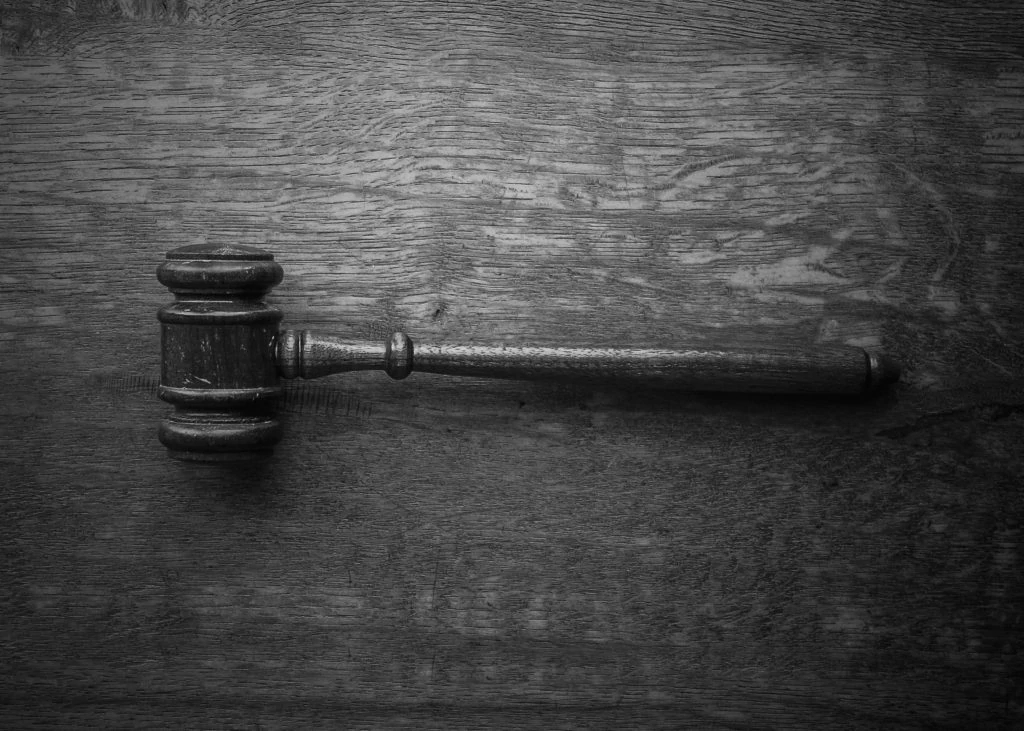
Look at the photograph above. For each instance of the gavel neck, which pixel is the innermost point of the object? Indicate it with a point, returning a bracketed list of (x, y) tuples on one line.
[(305, 354)]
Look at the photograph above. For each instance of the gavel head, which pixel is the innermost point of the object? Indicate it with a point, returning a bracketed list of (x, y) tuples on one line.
[(218, 364)]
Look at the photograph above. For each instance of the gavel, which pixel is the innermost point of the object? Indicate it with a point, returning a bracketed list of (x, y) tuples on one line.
[(223, 358)]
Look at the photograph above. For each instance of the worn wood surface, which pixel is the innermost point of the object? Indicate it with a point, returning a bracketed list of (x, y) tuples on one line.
[(459, 554)]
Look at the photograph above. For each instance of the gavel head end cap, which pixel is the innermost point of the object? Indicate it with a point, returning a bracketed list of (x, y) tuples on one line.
[(218, 270), (208, 437)]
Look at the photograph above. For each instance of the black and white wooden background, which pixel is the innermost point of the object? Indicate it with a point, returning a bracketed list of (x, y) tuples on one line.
[(443, 553)]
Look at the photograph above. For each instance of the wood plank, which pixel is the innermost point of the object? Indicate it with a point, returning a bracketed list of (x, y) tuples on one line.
[(457, 554)]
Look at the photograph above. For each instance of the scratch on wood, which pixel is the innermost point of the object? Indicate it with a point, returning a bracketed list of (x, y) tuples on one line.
[(122, 384), (987, 412), (305, 397)]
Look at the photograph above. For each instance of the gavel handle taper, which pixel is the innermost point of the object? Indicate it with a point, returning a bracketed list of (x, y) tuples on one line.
[(820, 370)]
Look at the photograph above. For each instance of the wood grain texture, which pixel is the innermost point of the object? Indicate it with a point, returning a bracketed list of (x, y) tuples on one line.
[(465, 554)]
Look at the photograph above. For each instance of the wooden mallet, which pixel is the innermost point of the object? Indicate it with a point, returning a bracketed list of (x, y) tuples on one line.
[(223, 358)]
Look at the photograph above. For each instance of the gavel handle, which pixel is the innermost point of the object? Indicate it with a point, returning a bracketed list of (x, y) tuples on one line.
[(824, 370)]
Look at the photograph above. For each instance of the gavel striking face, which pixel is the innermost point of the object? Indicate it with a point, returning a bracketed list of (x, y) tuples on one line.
[(224, 356)]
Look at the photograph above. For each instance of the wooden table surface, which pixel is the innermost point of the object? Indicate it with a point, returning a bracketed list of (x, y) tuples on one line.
[(446, 553)]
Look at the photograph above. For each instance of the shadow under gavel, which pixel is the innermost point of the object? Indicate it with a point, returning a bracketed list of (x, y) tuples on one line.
[(223, 356)]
